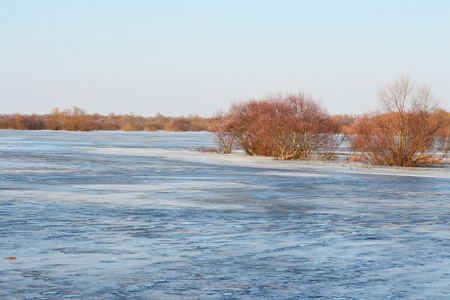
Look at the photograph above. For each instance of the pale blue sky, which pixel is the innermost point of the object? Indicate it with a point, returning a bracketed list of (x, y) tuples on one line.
[(195, 57)]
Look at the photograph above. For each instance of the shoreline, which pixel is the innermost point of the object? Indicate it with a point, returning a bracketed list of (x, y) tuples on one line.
[(263, 162)]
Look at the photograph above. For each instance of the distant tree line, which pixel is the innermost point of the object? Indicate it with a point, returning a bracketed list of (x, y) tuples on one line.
[(77, 119)]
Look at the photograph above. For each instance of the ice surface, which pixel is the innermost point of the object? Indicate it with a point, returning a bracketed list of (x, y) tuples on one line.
[(143, 215)]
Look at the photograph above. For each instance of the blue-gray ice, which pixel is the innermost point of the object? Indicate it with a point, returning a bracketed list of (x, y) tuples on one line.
[(144, 215)]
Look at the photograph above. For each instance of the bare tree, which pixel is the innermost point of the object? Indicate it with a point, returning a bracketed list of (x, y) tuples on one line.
[(225, 139), (403, 133)]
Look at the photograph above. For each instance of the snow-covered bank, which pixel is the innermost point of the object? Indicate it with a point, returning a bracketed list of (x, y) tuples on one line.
[(270, 163)]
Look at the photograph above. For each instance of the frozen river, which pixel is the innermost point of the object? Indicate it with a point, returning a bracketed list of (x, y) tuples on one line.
[(144, 215)]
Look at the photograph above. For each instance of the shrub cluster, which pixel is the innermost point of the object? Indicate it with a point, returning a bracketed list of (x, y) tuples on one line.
[(410, 130)]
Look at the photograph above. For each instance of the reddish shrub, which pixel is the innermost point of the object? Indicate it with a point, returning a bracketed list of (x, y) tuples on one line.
[(285, 127)]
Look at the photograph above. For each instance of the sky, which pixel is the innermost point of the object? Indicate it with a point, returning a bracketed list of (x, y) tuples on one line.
[(197, 57)]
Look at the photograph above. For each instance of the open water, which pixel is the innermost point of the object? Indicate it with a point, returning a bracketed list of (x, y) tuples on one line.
[(144, 215)]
